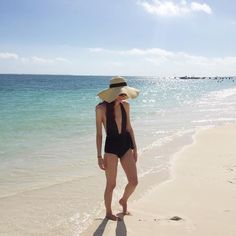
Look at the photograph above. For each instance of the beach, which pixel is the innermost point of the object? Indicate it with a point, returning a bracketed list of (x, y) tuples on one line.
[(200, 195), (58, 59), (50, 181)]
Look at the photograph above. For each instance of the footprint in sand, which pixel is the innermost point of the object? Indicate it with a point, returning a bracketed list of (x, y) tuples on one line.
[(176, 218), (230, 167), (141, 220), (156, 219)]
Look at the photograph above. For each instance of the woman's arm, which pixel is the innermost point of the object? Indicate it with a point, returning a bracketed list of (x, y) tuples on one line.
[(99, 136), (130, 130), (99, 131)]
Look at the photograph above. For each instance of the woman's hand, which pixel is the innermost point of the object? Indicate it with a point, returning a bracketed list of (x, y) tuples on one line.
[(101, 163), (135, 154)]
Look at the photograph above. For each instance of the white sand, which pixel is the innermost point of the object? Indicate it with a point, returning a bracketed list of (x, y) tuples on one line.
[(202, 192)]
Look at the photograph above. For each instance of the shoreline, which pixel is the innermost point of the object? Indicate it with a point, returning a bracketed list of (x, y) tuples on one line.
[(194, 192)]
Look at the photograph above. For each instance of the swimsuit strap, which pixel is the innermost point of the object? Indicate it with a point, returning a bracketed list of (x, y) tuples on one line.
[(111, 123), (124, 118), (108, 122)]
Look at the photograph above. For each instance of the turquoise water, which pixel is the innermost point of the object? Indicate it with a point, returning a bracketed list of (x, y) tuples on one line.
[(47, 126), (40, 109), (49, 120), (36, 110)]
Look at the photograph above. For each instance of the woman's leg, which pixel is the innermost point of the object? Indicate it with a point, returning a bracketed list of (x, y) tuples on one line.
[(129, 166), (111, 162)]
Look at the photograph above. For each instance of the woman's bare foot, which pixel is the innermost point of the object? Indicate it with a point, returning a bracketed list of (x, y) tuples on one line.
[(123, 203), (110, 216)]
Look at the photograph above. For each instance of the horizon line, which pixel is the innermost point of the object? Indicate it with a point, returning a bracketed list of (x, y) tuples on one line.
[(220, 76)]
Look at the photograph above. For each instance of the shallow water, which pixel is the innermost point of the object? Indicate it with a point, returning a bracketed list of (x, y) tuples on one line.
[(47, 141)]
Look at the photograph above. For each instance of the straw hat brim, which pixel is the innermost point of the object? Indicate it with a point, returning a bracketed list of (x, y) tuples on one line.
[(110, 94)]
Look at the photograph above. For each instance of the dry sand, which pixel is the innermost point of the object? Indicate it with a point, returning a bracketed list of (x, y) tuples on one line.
[(202, 192)]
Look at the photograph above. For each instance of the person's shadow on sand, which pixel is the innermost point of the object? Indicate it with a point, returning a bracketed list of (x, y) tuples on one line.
[(100, 229), (120, 227)]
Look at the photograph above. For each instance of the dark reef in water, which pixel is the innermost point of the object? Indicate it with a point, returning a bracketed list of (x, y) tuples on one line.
[(220, 78)]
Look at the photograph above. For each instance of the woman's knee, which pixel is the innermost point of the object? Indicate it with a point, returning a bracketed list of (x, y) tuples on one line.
[(133, 182), (111, 185)]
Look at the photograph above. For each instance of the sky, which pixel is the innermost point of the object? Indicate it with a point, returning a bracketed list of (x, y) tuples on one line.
[(118, 37)]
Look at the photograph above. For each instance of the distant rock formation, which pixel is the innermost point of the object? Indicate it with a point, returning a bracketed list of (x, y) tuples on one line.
[(216, 77)]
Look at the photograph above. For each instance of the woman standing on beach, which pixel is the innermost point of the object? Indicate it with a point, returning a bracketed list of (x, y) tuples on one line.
[(113, 114)]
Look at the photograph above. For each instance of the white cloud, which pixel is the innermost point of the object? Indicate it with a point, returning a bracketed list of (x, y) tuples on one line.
[(61, 59), (132, 61), (33, 59), (133, 51), (150, 51), (7, 55), (195, 6), (96, 49), (166, 62), (40, 60), (170, 8)]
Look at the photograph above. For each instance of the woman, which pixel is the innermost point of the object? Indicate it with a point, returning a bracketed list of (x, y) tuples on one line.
[(113, 114)]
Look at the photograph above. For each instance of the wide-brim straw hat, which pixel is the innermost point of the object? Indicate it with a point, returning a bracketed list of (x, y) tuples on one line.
[(118, 85)]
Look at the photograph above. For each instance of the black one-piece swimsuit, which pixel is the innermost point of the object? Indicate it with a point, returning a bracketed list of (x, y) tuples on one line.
[(118, 143)]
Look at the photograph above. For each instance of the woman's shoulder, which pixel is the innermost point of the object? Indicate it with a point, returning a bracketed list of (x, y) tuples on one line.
[(125, 104), (101, 106)]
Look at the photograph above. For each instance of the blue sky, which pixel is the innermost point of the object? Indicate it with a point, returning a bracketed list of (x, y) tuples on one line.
[(118, 37)]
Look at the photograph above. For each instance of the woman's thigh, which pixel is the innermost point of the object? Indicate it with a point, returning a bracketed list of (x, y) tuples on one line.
[(110, 162), (129, 165)]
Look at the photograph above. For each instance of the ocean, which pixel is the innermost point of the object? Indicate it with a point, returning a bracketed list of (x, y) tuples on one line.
[(49, 177)]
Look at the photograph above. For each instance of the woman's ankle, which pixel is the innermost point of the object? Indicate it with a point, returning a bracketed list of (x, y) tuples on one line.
[(109, 212)]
